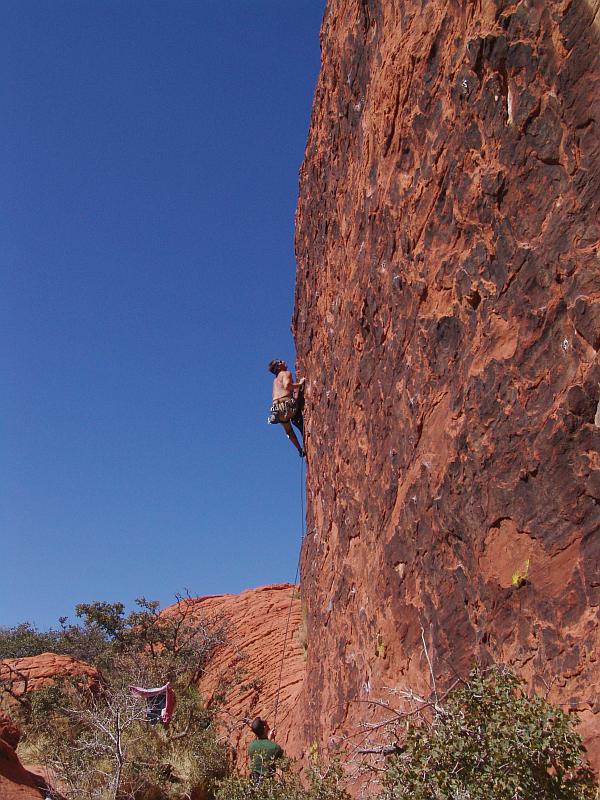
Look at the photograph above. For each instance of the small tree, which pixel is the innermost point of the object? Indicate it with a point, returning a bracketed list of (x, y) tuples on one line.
[(168, 643), (25, 640), (92, 745), (487, 740)]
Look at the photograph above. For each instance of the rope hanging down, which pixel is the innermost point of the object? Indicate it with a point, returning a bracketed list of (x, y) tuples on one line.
[(289, 614)]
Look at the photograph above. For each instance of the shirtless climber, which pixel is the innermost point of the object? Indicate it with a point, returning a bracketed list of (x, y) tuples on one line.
[(288, 402)]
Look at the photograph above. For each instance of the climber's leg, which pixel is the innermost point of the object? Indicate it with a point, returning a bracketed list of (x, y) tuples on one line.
[(298, 422), (289, 432)]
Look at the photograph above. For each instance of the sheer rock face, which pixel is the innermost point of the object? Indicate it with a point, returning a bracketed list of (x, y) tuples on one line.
[(263, 654), (448, 320)]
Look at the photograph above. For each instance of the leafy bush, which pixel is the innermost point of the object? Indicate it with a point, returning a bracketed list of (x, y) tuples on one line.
[(25, 640), (490, 741), (175, 641)]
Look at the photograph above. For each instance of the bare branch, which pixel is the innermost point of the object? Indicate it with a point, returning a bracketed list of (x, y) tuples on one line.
[(384, 750), (433, 684)]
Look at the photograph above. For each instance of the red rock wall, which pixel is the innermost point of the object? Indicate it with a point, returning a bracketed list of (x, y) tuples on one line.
[(448, 320)]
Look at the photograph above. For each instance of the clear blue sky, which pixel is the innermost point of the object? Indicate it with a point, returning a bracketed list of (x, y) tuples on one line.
[(148, 181)]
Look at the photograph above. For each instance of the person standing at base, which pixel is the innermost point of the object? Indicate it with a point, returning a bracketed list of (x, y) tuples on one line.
[(288, 402), (263, 752)]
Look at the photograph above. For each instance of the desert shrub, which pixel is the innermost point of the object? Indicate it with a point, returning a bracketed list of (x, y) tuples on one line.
[(180, 640), (164, 644), (96, 738), (86, 642), (25, 640), (323, 783), (98, 742), (489, 740), (101, 747)]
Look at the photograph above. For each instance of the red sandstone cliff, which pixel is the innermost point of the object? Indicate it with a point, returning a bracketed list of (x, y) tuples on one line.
[(448, 321)]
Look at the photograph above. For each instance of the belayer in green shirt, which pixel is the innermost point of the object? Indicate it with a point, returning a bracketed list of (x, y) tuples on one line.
[(263, 752)]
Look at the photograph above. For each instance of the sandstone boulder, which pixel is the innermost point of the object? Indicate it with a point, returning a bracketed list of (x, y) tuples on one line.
[(22, 675), (16, 783), (19, 676)]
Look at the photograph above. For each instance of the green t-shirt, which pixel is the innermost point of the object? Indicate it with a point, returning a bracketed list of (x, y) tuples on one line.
[(263, 754)]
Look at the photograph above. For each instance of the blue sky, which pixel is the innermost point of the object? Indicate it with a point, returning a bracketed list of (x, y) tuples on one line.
[(148, 181)]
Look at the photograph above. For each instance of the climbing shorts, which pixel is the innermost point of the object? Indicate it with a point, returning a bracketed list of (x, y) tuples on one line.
[(284, 410)]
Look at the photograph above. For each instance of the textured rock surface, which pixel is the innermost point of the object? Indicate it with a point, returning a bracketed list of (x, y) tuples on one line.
[(448, 320), (34, 672), (9, 730), (16, 782), (246, 672)]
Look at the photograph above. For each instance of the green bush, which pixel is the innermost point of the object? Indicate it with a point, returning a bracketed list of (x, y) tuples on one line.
[(490, 741), (26, 640), (180, 640), (323, 783)]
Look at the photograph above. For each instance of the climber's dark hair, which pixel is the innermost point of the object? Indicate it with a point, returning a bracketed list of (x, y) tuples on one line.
[(274, 365), (258, 727)]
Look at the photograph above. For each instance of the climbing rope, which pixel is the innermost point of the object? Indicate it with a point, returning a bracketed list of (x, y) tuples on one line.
[(289, 614)]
